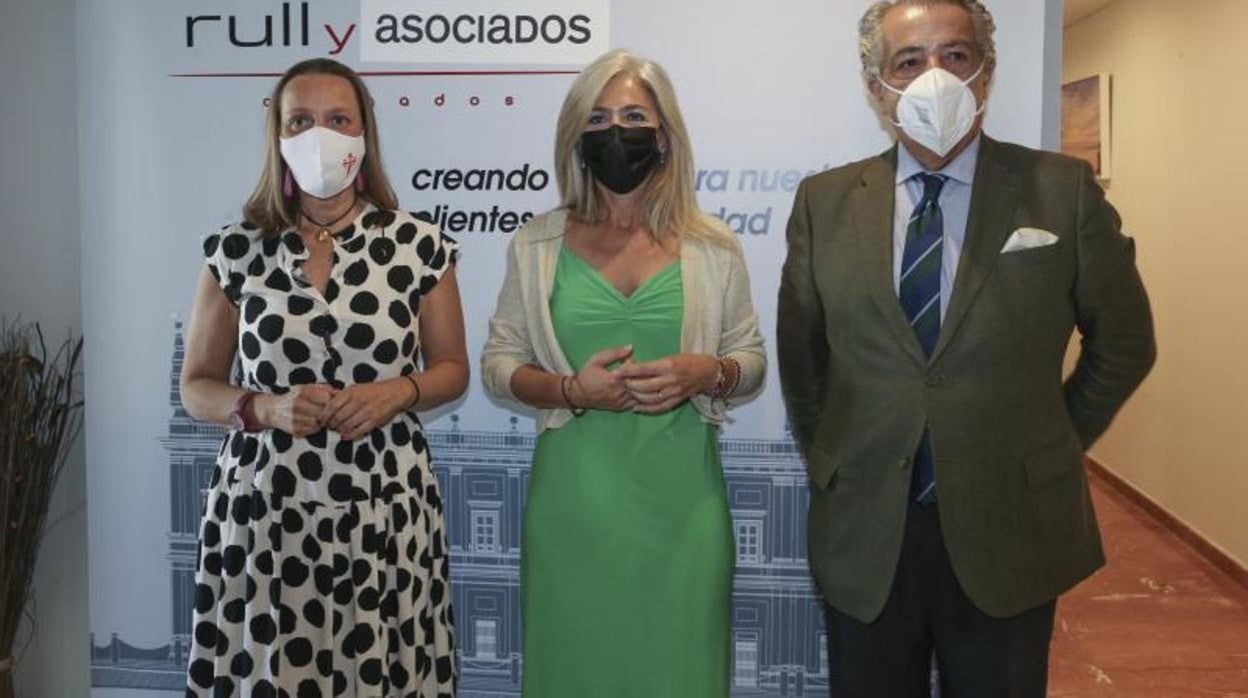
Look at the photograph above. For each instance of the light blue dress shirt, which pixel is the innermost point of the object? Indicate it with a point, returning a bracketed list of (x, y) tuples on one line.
[(955, 206)]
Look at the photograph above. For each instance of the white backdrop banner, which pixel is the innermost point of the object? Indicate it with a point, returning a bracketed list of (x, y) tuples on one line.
[(172, 99)]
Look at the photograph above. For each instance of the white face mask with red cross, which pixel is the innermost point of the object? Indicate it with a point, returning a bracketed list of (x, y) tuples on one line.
[(322, 160)]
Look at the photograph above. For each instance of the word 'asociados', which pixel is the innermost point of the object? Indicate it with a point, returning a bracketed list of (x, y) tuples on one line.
[(494, 29)]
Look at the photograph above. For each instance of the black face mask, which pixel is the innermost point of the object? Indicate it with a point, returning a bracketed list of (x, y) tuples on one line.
[(621, 157)]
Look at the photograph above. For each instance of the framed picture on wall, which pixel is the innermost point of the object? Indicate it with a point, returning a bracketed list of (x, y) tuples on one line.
[(1085, 122)]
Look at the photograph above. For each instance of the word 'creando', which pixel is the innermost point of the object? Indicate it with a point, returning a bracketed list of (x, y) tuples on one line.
[(524, 178)]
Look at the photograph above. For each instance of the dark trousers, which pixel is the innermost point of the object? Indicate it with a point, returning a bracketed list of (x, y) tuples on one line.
[(927, 613)]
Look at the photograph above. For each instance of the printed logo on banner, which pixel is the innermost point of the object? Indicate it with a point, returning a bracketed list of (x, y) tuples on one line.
[(288, 25), (565, 32)]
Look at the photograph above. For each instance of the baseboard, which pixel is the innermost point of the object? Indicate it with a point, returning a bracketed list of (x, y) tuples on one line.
[(1199, 544)]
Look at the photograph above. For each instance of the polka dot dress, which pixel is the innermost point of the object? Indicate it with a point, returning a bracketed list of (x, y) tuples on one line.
[(323, 564)]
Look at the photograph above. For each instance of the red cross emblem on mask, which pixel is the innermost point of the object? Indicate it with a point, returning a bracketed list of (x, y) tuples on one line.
[(348, 162)]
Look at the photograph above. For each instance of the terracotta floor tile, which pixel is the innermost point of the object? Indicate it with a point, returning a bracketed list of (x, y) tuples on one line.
[(1157, 622)]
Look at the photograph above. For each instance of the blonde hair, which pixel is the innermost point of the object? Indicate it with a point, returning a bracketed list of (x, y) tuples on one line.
[(267, 208), (669, 202)]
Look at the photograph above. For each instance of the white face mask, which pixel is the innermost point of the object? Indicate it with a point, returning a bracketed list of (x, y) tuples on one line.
[(937, 109), (323, 161)]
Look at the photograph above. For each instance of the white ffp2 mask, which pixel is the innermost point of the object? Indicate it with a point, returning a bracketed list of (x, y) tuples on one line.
[(323, 161), (937, 109)]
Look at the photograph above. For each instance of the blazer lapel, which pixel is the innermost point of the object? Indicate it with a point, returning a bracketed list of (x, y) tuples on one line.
[(873, 203), (994, 196)]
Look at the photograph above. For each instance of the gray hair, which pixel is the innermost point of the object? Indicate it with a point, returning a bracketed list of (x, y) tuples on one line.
[(871, 32)]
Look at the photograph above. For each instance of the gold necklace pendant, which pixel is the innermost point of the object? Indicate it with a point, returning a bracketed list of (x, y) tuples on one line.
[(325, 232)]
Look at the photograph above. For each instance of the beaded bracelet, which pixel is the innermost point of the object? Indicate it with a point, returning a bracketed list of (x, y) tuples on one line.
[(726, 383), (736, 377), (567, 399)]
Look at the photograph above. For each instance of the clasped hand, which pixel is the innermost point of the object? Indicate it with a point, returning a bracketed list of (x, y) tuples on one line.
[(650, 387), (353, 411)]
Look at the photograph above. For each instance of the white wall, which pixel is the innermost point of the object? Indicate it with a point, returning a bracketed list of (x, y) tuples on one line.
[(1051, 119), (1177, 179), (40, 280)]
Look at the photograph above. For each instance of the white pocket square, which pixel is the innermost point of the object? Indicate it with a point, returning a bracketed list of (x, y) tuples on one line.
[(1027, 239)]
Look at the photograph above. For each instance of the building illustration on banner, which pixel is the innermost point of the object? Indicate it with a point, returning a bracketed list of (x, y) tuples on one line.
[(779, 646)]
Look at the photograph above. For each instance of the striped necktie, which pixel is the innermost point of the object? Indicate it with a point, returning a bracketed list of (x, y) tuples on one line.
[(919, 291)]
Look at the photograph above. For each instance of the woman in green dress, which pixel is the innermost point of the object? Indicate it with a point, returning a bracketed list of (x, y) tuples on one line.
[(625, 318)]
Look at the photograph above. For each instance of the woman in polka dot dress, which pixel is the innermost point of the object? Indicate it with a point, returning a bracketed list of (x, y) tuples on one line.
[(323, 565)]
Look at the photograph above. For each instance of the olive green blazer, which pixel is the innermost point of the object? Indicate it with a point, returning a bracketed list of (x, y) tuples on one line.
[(1008, 434)]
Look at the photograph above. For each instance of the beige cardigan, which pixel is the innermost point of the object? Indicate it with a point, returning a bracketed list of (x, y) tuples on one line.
[(719, 316)]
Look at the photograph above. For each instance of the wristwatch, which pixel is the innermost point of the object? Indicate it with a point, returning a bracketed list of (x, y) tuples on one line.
[(241, 416)]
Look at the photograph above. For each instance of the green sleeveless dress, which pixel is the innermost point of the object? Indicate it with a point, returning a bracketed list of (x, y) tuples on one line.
[(627, 553)]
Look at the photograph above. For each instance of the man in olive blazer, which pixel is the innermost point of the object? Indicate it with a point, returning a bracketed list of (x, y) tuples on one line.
[(971, 573)]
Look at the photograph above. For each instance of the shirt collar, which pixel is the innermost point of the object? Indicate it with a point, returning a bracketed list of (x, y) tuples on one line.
[(961, 169)]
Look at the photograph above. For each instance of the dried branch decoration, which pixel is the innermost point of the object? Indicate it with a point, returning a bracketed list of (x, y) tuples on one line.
[(40, 418)]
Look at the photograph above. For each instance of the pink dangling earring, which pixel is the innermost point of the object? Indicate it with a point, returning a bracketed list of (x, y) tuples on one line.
[(359, 181), (288, 185)]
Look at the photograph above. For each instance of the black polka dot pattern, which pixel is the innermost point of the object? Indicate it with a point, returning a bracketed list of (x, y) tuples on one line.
[(323, 563)]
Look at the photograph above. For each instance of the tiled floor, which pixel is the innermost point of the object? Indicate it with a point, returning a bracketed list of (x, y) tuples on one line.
[(1157, 621)]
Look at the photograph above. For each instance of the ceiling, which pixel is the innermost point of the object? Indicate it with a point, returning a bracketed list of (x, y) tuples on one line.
[(1075, 10)]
